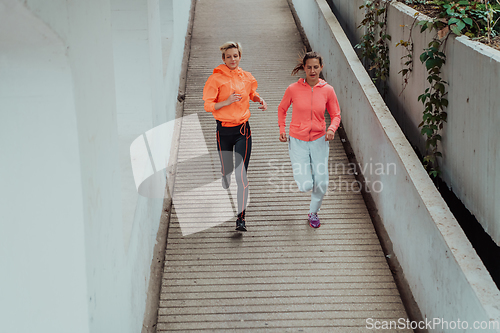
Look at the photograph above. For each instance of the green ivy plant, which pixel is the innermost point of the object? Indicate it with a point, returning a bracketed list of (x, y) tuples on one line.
[(434, 97), (408, 57), (459, 17), (490, 20), (373, 45), (458, 14)]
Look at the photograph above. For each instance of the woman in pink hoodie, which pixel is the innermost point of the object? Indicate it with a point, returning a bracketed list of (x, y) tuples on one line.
[(308, 146), (227, 93)]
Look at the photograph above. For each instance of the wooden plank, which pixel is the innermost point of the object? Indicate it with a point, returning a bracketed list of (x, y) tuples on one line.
[(281, 275)]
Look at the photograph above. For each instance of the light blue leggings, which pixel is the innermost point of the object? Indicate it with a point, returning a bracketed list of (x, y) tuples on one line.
[(310, 168)]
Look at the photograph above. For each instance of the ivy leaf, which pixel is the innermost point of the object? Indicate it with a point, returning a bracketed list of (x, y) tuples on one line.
[(430, 63), (427, 131), (423, 57), (424, 26), (439, 87), (455, 30), (468, 20)]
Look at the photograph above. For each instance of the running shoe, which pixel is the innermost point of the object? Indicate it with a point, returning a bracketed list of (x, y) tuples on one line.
[(240, 224), (313, 220)]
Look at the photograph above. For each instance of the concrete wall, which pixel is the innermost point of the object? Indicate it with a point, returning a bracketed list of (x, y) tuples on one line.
[(79, 81), (447, 278), (471, 139)]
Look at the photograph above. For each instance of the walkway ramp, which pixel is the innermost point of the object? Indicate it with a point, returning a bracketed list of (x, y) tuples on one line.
[(281, 275)]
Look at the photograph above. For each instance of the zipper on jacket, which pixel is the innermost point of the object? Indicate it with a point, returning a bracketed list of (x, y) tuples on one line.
[(312, 93)]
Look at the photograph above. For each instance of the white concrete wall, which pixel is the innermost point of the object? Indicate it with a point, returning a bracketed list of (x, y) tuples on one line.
[(349, 16), (42, 242), (79, 81), (471, 139), (447, 278)]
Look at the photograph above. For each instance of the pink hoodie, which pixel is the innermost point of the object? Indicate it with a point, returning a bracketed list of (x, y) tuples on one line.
[(308, 115)]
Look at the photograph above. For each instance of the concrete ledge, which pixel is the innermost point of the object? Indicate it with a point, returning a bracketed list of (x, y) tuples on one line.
[(447, 278)]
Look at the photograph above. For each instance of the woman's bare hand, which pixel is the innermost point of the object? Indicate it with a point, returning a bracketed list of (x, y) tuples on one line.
[(263, 105), (283, 137), (234, 97), (329, 135)]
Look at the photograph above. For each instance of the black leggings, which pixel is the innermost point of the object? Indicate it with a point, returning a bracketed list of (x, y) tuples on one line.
[(239, 140)]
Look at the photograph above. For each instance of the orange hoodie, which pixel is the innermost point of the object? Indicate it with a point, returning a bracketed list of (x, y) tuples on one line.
[(308, 115), (220, 85)]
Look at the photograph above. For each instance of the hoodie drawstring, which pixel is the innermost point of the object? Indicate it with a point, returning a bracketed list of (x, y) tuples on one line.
[(244, 130)]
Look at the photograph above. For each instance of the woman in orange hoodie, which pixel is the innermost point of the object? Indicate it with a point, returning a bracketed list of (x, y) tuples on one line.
[(227, 93), (308, 146)]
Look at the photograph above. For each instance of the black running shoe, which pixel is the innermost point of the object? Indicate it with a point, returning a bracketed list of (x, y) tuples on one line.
[(240, 224)]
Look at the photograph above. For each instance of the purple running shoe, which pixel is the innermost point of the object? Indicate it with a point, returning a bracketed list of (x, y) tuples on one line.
[(314, 220)]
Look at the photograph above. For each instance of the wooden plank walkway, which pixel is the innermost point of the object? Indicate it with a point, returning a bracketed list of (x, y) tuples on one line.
[(281, 275)]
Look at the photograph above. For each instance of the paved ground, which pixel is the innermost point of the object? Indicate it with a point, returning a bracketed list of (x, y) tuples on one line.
[(281, 275)]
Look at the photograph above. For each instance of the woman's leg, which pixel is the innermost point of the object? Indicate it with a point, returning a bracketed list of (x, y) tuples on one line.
[(242, 150), (319, 163), (301, 164), (225, 144)]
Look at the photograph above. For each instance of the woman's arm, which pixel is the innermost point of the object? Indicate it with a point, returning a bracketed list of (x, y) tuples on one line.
[(234, 97), (285, 103), (334, 110), (258, 99), (254, 96), (210, 94)]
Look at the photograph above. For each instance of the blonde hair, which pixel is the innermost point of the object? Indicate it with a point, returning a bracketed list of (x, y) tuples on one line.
[(230, 45)]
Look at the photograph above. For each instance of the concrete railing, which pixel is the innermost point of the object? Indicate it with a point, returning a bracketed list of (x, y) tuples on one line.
[(470, 137), (445, 275)]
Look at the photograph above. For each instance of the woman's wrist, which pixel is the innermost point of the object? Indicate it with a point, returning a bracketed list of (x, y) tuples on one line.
[(220, 105)]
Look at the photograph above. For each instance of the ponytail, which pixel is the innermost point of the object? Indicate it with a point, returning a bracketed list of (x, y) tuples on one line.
[(298, 67), (304, 58)]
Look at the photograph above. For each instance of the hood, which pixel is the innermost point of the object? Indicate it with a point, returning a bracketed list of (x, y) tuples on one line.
[(223, 69), (320, 84)]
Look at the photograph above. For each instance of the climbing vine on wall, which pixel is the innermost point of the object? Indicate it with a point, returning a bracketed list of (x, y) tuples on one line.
[(375, 53), (434, 97), (407, 58), (373, 45)]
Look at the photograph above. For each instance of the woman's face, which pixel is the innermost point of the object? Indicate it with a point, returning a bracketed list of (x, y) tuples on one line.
[(232, 58), (312, 69)]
